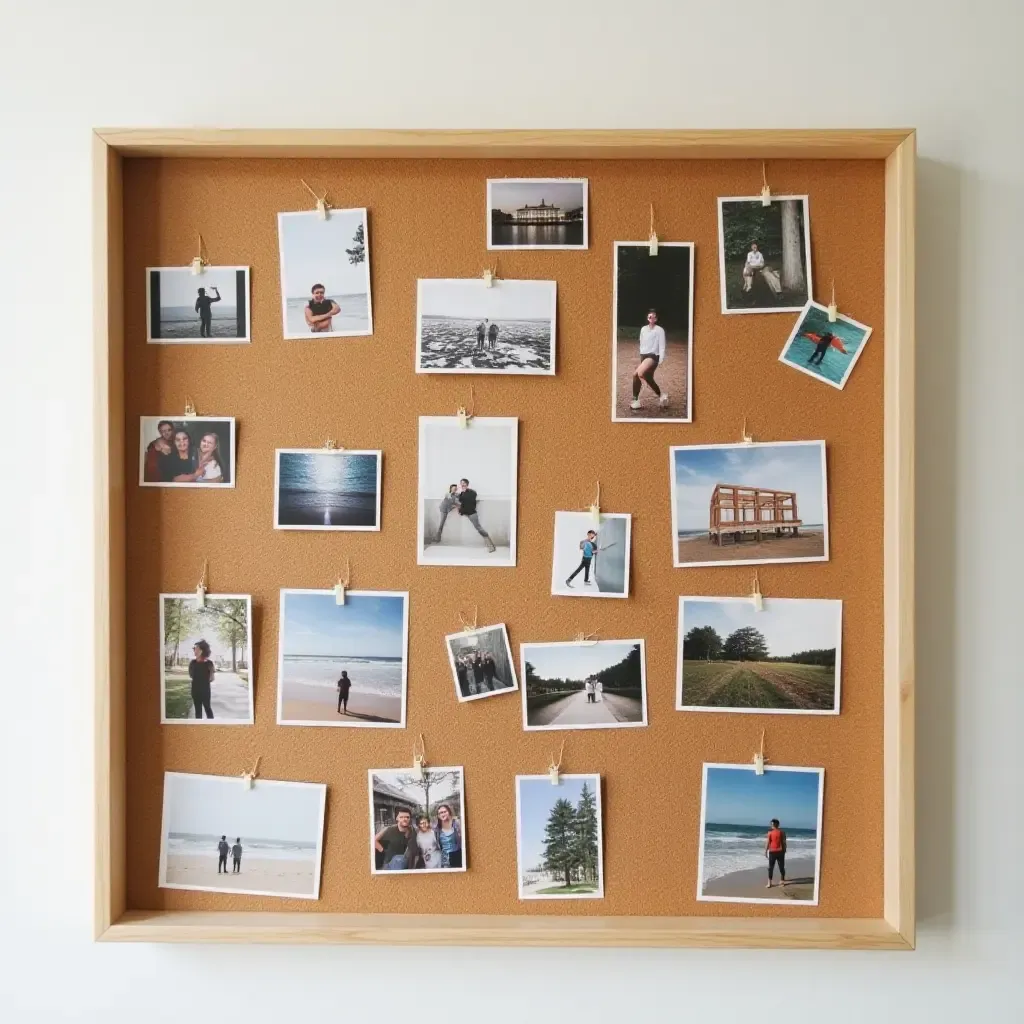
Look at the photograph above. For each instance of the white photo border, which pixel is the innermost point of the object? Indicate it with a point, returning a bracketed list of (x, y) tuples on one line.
[(508, 654), (150, 340), (629, 545), (182, 418), (585, 182), (811, 304), (278, 452)]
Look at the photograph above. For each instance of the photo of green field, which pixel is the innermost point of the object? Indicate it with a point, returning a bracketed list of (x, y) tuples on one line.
[(783, 658)]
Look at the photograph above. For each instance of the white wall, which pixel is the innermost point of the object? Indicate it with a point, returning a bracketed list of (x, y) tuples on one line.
[(952, 70)]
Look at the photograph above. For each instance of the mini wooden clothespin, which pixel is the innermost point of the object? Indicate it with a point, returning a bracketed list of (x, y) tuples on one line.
[(190, 409), (653, 237), (465, 415), (745, 437), (419, 757), (322, 206), (833, 309), (755, 594), (766, 192), (330, 445), (197, 262), (555, 767), (490, 276), (467, 626), (595, 506), (586, 638), (759, 758), (248, 777), (339, 587), (201, 588)]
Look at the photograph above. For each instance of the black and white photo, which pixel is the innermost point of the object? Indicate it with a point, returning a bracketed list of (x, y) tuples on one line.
[(537, 213), (481, 662), (466, 326), (207, 308), (327, 489), (186, 451), (591, 557)]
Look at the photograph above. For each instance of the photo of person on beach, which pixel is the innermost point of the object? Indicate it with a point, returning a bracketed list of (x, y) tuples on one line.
[(827, 351), (481, 662), (588, 684), (343, 664), (325, 274), (277, 826), (327, 489), (417, 824), (652, 333), (191, 452), (760, 835), (749, 504), (591, 559), (208, 308)]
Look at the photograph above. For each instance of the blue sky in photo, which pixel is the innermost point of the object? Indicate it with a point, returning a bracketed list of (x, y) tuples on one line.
[(788, 626), (362, 627), (739, 796), (536, 798)]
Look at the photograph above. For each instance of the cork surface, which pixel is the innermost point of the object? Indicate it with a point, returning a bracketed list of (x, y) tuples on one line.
[(427, 219)]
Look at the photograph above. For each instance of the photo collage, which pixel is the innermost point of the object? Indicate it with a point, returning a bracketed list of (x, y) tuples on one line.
[(343, 656)]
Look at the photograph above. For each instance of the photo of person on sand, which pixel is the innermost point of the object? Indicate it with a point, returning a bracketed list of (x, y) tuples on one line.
[(481, 662), (342, 664), (742, 839), (236, 856), (320, 311), (203, 307)]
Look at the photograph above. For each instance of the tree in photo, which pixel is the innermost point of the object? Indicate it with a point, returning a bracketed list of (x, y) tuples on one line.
[(561, 841), (586, 834), (793, 277), (357, 254), (625, 675), (180, 619), (231, 622), (745, 644), (432, 778), (702, 643)]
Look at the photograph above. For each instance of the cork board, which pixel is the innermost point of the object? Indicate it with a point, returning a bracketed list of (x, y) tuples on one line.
[(427, 219)]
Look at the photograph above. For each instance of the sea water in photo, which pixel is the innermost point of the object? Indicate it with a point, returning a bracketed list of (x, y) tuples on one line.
[(381, 676), (327, 489), (354, 317), (729, 848), (183, 321), (839, 355), (451, 342), (190, 844)]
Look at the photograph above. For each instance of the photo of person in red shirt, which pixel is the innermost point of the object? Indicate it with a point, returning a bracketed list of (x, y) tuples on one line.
[(775, 851)]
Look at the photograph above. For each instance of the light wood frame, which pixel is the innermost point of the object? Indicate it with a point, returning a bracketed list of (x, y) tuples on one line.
[(113, 922)]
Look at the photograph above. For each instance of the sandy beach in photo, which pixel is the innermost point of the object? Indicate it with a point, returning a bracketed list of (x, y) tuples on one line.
[(286, 876), (809, 544), (750, 884), (309, 702)]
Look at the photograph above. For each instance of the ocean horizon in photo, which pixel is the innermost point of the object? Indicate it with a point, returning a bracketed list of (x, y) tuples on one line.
[(731, 848), (321, 489), (354, 315), (380, 676), (192, 844), (183, 322)]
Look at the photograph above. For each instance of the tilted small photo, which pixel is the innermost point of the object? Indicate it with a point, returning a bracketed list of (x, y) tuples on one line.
[(208, 308), (481, 662), (828, 351)]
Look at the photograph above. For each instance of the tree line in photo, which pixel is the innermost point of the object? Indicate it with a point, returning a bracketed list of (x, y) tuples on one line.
[(183, 618), (570, 843), (703, 643), (623, 678)]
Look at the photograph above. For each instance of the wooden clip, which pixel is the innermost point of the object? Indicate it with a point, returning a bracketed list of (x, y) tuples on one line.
[(745, 437), (468, 627), (465, 415), (759, 759), (322, 205), (653, 237), (342, 584), (197, 263), (595, 507), (554, 767), (201, 588), (833, 309), (755, 594), (248, 777), (766, 192), (490, 275), (190, 409), (419, 758), (586, 638)]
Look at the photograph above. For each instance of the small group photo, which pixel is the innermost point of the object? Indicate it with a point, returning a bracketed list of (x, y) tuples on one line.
[(559, 836), (211, 307), (219, 834), (749, 504), (584, 684), (784, 658), (467, 325), (481, 662), (417, 821), (591, 559), (760, 835), (186, 451), (343, 664), (325, 274), (823, 349), (327, 489), (652, 324), (206, 659), (764, 254), (467, 490), (537, 213)]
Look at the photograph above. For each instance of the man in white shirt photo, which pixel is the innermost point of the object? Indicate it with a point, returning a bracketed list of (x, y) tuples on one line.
[(652, 355), (755, 262)]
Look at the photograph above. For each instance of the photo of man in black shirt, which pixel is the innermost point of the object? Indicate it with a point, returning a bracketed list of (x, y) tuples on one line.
[(467, 508), (320, 311)]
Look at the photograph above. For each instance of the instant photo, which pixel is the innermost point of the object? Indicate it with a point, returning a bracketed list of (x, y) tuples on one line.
[(783, 659), (467, 491), (652, 343), (177, 451), (481, 662), (591, 559), (828, 351), (207, 308), (559, 837), (466, 326), (749, 504), (325, 274), (537, 213), (327, 489), (221, 835), (584, 685), (206, 667), (764, 254), (760, 835), (417, 822), (343, 664)]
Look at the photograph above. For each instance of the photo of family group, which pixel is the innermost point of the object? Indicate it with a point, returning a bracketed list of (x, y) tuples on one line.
[(591, 559), (327, 489), (481, 662), (467, 490), (764, 254), (220, 835), (206, 659), (652, 318), (760, 835), (822, 349), (206, 308), (559, 837), (537, 213), (325, 274), (186, 451), (584, 684), (465, 325), (784, 658), (343, 664), (749, 504), (417, 820)]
